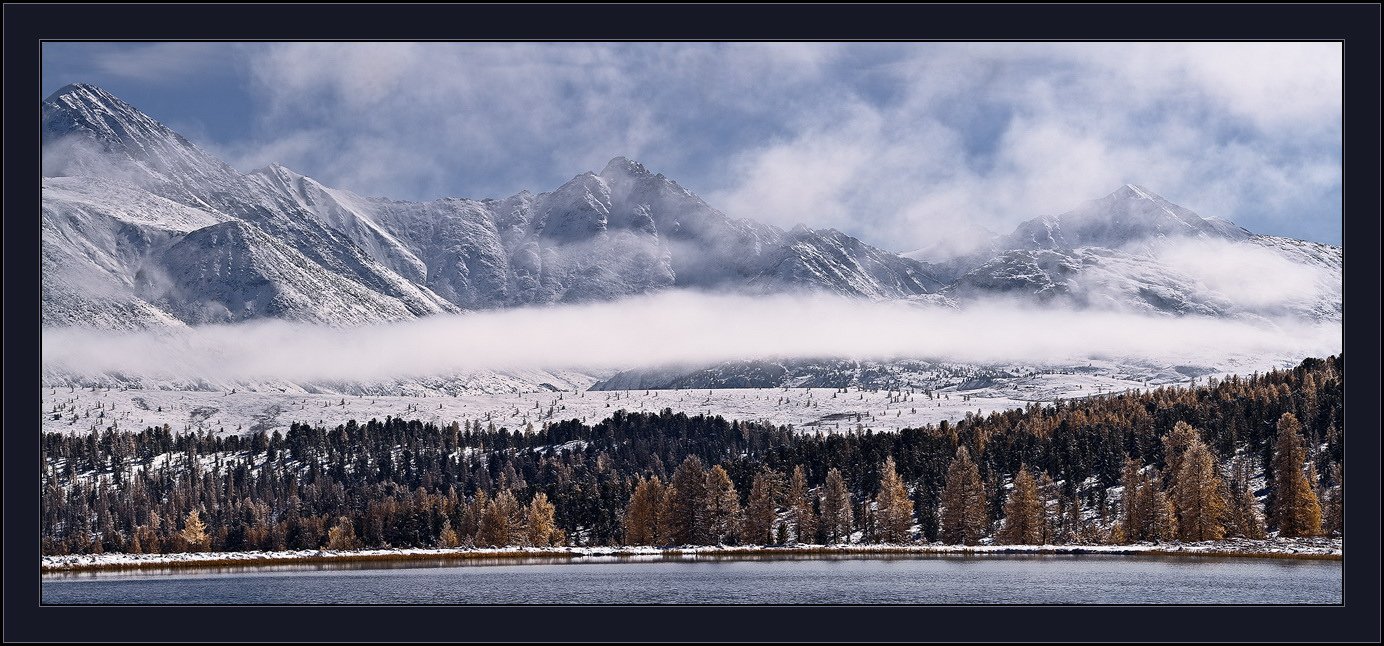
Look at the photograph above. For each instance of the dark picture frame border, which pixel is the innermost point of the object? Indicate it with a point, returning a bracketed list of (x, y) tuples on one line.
[(27, 25)]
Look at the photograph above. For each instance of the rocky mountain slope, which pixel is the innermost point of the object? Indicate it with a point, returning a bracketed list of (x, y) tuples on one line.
[(143, 229), (600, 236)]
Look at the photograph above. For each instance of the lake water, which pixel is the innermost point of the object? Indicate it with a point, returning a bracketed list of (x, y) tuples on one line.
[(1065, 579)]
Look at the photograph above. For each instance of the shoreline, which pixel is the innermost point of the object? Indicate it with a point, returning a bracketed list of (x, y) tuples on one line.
[(1308, 549)]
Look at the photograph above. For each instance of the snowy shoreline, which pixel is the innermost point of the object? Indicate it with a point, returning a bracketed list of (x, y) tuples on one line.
[(1320, 548)]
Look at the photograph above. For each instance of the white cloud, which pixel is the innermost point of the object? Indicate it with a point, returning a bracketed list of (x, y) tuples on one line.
[(900, 143), (1222, 128), (1250, 276), (677, 328)]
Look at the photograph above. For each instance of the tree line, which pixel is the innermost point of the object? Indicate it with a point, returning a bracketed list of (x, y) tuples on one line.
[(1239, 457)]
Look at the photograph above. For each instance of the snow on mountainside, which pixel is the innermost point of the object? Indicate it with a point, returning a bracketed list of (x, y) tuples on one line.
[(621, 232), (1136, 251), (93, 137), (143, 229), (601, 236), (1130, 215), (98, 244)]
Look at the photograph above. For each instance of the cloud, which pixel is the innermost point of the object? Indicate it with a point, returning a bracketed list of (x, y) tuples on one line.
[(906, 145), (423, 120), (677, 328), (992, 134), (1252, 277)]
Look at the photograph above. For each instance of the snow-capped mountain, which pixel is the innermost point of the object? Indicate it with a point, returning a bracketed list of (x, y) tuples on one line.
[(144, 229), (126, 199), (1134, 250), (304, 268), (1131, 215), (1129, 251)]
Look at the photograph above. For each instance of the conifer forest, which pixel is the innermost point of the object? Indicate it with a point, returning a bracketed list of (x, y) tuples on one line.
[(1239, 457)]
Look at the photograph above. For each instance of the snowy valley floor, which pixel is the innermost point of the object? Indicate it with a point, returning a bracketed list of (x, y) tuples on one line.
[(67, 409), (1302, 548)]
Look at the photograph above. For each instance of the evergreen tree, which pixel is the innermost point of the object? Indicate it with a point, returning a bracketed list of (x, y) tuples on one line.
[(687, 508), (498, 526), (722, 507), (1023, 512), (963, 502), (1245, 520), (194, 530), (1162, 525), (471, 518), (837, 519), (1047, 493), (1296, 510), (762, 510), (1133, 516), (800, 512), (1175, 446), (1333, 515), (539, 525), (641, 512), (893, 507), (1199, 496), (448, 537), (663, 519), (342, 535)]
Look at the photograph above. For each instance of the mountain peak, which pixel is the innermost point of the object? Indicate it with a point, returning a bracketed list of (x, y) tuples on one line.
[(81, 90), (1130, 215), (624, 166), (1134, 192), (103, 135), (82, 106)]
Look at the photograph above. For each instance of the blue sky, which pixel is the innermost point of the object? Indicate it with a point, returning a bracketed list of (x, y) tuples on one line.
[(902, 144)]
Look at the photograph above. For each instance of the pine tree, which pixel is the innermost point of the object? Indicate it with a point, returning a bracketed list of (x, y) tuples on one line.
[(448, 536), (342, 535), (471, 517), (663, 519), (499, 526), (963, 501), (762, 509), (1296, 510), (194, 530), (1308, 516), (1133, 515), (1175, 445), (1162, 525), (1245, 520), (1047, 493), (687, 508), (1199, 495), (641, 512), (837, 519), (722, 507), (1333, 514), (539, 525), (1023, 512), (893, 507), (800, 513)]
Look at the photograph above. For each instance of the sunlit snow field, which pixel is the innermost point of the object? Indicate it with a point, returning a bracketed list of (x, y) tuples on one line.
[(69, 409)]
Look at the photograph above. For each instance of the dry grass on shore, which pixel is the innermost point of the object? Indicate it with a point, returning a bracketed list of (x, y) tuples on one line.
[(308, 557)]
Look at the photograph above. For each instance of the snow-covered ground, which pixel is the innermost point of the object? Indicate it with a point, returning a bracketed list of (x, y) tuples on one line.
[(1304, 547), (548, 396), (71, 409)]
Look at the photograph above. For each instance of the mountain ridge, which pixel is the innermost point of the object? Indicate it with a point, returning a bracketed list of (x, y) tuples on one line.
[(122, 193), (599, 236)]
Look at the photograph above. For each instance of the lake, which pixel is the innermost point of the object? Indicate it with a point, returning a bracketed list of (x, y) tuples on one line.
[(991, 579)]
